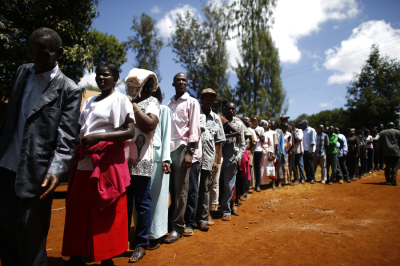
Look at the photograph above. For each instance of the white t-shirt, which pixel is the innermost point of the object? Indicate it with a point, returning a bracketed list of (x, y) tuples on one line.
[(139, 151), (103, 116), (260, 131)]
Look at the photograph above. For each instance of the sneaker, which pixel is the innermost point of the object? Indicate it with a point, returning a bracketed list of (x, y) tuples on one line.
[(340, 181), (331, 183), (323, 182), (188, 231), (370, 172), (348, 181), (303, 182), (312, 182)]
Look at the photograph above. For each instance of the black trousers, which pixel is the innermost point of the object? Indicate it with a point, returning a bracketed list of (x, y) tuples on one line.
[(351, 162), (242, 185), (391, 167), (309, 165), (24, 224), (344, 174)]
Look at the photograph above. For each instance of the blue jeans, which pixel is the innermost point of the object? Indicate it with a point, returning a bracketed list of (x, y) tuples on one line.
[(191, 207), (331, 160), (227, 177), (138, 194), (298, 162)]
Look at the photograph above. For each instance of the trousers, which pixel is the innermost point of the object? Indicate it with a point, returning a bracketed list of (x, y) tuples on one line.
[(227, 178), (178, 187), (331, 161), (321, 161), (24, 224), (309, 165), (191, 207), (391, 167), (203, 205)]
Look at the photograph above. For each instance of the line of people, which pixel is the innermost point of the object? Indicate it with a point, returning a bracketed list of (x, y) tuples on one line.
[(171, 167)]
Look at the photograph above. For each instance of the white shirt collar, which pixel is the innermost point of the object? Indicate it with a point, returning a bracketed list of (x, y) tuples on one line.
[(49, 75)]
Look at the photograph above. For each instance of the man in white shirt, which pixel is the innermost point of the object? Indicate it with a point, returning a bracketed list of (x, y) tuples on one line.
[(309, 135)]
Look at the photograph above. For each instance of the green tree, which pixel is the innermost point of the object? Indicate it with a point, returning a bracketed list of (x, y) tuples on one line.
[(146, 43), (259, 89), (188, 42), (336, 117), (373, 96), (215, 63), (71, 20), (106, 49)]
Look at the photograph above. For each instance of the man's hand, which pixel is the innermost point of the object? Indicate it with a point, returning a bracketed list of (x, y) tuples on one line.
[(166, 167), (310, 151), (345, 154), (50, 181), (187, 161), (91, 140), (215, 168)]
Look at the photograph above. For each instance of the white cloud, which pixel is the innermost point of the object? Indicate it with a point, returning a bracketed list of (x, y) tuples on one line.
[(336, 27), (166, 25), (120, 86), (296, 19), (87, 78), (330, 104), (349, 57), (155, 10)]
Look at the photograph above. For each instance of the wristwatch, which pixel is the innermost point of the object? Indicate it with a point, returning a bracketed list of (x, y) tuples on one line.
[(190, 150)]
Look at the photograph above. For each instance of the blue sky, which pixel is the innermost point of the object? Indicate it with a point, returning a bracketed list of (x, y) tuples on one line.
[(321, 43)]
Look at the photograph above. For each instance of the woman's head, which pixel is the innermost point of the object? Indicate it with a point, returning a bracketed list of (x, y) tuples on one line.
[(147, 88), (158, 94), (106, 76), (255, 120)]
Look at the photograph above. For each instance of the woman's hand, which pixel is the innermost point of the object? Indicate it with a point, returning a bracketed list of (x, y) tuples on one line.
[(91, 139), (166, 167)]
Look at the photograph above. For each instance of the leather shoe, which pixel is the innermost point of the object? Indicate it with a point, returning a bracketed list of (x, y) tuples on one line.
[(173, 237), (203, 227), (234, 211)]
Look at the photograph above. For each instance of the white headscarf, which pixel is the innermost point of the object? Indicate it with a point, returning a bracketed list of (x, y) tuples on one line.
[(136, 79)]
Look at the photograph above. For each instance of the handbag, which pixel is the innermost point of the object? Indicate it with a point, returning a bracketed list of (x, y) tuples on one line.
[(270, 169)]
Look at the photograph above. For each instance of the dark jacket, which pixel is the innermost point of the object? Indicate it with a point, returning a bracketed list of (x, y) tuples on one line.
[(48, 138), (389, 143)]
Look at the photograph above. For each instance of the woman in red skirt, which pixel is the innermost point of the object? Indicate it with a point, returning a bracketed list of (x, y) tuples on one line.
[(96, 211)]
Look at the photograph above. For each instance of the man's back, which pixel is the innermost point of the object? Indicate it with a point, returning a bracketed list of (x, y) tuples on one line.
[(389, 142)]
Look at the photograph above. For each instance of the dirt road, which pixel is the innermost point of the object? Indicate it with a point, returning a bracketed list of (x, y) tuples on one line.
[(348, 224)]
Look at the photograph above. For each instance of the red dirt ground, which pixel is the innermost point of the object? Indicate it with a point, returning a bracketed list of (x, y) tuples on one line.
[(348, 224)]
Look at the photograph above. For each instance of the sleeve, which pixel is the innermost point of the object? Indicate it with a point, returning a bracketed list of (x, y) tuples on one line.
[(313, 137), (241, 143), (223, 120), (67, 128), (299, 134), (358, 145), (80, 121), (120, 110), (166, 135), (341, 143), (271, 146), (153, 108), (194, 121), (345, 147), (220, 136)]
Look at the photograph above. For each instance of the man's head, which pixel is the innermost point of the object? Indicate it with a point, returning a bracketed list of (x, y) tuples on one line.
[(337, 130), (44, 48), (330, 130), (366, 132), (381, 127), (273, 124), (320, 129), (224, 102), (374, 132), (255, 120), (284, 118), (246, 121), (284, 126), (390, 125), (216, 105), (180, 83), (294, 127), (230, 110), (304, 124), (207, 98)]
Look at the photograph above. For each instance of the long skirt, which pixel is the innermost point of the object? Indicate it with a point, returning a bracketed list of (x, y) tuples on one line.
[(282, 171), (89, 231), (263, 165)]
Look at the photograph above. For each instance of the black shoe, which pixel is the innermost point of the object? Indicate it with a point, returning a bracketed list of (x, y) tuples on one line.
[(173, 237), (394, 184), (203, 227)]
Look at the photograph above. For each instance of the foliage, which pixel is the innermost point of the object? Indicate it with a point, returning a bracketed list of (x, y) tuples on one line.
[(90, 87), (335, 117), (188, 42), (215, 62), (106, 49), (373, 96), (259, 89), (71, 20), (145, 43)]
